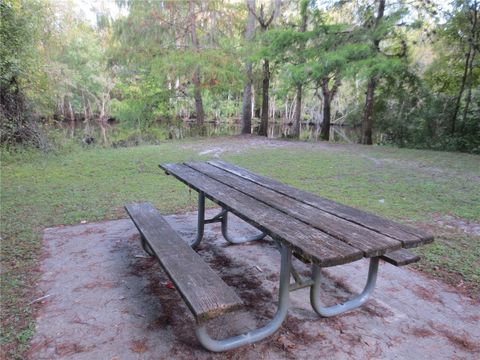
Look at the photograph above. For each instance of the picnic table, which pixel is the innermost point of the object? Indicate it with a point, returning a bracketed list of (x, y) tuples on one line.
[(316, 230)]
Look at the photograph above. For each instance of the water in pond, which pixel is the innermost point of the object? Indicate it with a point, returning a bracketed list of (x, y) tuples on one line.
[(276, 129)]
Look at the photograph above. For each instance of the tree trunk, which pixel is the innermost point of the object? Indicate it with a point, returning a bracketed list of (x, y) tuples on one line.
[(265, 86), (328, 95), (367, 123), (325, 132), (264, 24), (102, 119), (272, 107), (460, 94), (253, 100), (72, 119), (298, 113), (61, 107), (246, 121), (197, 93), (86, 121), (473, 40), (468, 98), (298, 109)]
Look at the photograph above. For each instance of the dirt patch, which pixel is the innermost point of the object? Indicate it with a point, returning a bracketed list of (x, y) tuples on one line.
[(134, 238), (453, 224), (425, 294), (236, 144), (242, 143), (68, 349), (98, 284), (421, 332), (248, 286), (139, 346), (461, 339)]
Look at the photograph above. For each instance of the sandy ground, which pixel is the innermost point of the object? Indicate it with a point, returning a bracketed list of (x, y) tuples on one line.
[(105, 299)]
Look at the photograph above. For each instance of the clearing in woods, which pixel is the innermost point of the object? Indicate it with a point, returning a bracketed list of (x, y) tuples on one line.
[(437, 191)]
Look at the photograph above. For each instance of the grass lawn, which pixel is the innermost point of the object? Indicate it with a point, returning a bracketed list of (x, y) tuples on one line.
[(437, 191)]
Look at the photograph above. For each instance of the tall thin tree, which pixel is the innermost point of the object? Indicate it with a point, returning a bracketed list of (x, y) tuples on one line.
[(367, 121), (247, 90), (197, 92), (298, 97), (264, 25), (328, 93), (466, 82)]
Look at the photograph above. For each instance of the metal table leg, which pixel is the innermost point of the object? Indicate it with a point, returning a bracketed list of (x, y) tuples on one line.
[(200, 220), (146, 247), (221, 217), (353, 303), (260, 333), (224, 218)]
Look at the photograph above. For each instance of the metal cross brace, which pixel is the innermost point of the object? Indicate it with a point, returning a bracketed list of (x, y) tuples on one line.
[(286, 269), (221, 217)]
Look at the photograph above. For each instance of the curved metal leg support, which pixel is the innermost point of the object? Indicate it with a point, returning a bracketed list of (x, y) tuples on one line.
[(263, 332), (350, 304), (146, 247), (200, 221), (237, 240)]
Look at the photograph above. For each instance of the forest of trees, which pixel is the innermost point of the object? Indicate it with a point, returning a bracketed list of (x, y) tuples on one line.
[(403, 72)]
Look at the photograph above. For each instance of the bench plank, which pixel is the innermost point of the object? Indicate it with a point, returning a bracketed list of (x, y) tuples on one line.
[(310, 243), (370, 242), (203, 290), (409, 236), (400, 257)]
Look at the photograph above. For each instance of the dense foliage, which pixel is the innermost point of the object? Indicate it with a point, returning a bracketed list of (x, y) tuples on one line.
[(399, 72)]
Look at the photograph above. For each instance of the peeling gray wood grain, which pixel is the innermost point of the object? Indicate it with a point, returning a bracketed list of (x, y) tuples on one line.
[(409, 236), (310, 243), (371, 243), (400, 257), (204, 292)]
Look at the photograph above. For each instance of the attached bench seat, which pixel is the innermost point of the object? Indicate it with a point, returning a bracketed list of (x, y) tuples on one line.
[(400, 257), (204, 292)]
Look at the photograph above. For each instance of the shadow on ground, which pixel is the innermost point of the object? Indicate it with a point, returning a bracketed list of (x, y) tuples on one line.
[(105, 299)]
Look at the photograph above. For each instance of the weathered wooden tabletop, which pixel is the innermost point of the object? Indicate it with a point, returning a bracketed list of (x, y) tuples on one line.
[(317, 229)]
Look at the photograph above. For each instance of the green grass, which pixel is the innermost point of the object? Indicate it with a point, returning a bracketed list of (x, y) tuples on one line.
[(375, 179), (51, 190), (411, 186), (390, 190)]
